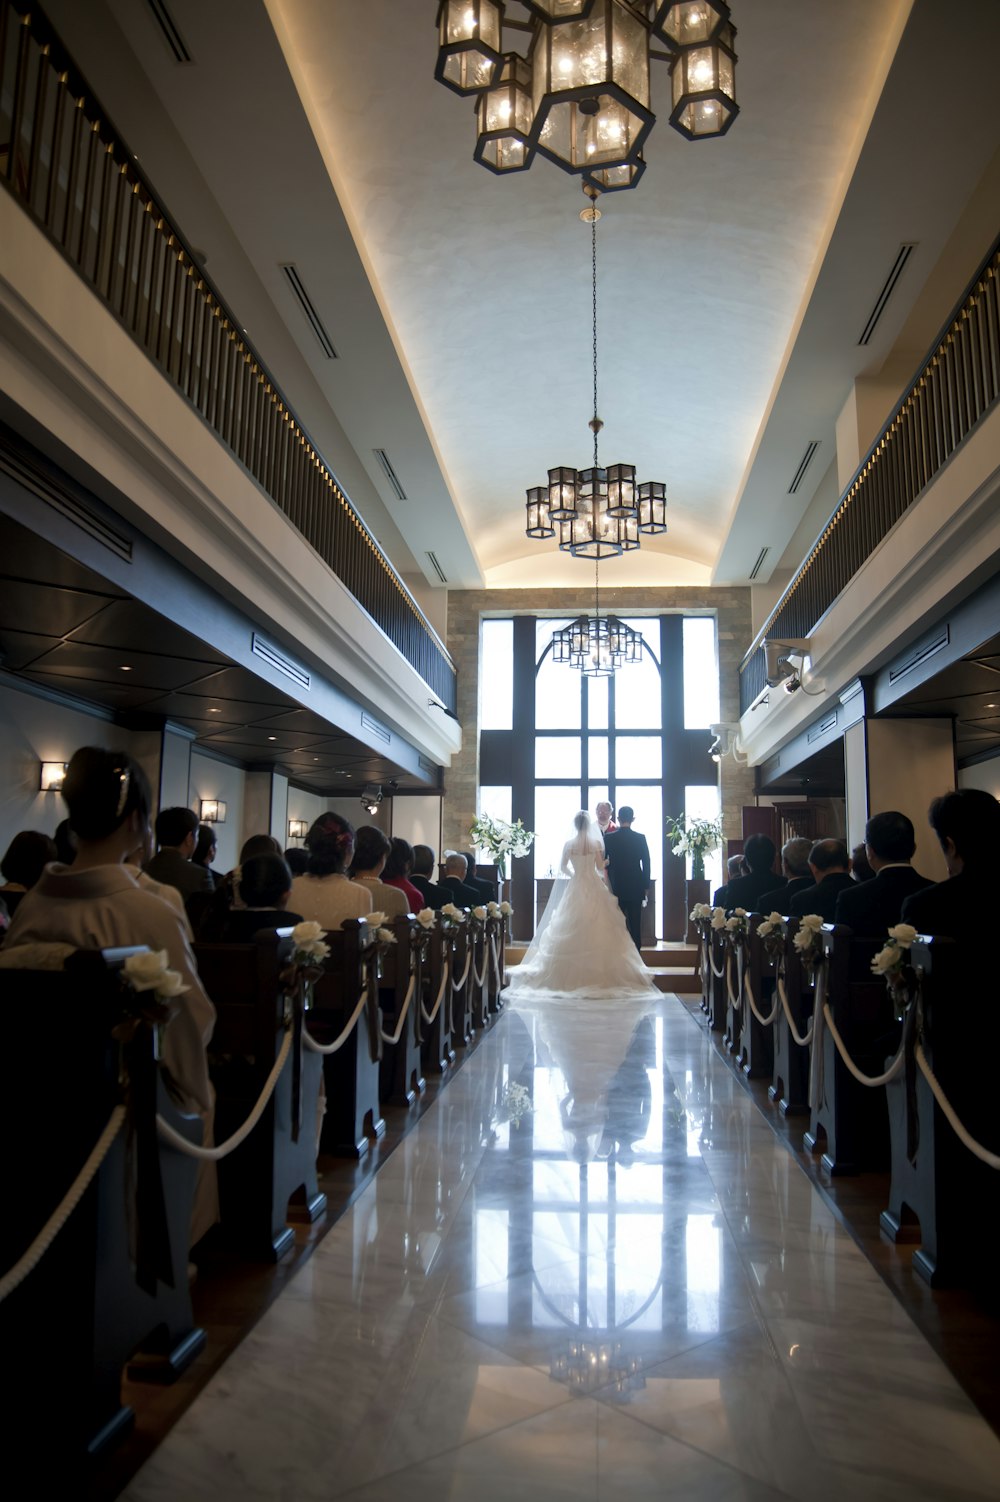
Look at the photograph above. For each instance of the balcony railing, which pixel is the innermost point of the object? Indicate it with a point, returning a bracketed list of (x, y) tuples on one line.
[(957, 385), (69, 168)]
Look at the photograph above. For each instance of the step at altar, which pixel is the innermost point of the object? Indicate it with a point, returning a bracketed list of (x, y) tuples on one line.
[(672, 966)]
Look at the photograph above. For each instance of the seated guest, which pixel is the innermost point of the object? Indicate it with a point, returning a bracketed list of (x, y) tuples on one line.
[(744, 891), (297, 860), (454, 883), (26, 857), (869, 908), (735, 866), (397, 874), (176, 835), (134, 862), (371, 851), (487, 889), (967, 824), (265, 887), (97, 903), (422, 877), (205, 847), (259, 844), (795, 865), (861, 869), (324, 894), (829, 863), (65, 843)]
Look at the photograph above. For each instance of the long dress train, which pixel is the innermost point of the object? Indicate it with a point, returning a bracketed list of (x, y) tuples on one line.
[(582, 948)]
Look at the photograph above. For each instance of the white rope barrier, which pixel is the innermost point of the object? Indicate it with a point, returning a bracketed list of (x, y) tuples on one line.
[(395, 1037), (874, 1080), (711, 960), (430, 1016), (495, 962), (752, 1000), (30, 1259), (992, 1160), (338, 1043), (480, 976), (223, 1149), (734, 1000), (802, 1039), (457, 985)]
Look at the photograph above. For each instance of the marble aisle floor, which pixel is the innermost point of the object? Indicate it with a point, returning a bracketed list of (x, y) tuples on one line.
[(590, 1271)]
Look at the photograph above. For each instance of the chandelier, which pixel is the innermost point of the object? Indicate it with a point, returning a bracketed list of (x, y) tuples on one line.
[(599, 512), (596, 645), (581, 95)]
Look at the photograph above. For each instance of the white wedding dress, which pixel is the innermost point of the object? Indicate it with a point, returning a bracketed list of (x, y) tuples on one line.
[(582, 948)]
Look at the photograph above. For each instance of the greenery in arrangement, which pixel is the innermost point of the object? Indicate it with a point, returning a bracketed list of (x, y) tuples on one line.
[(696, 838), (500, 839)]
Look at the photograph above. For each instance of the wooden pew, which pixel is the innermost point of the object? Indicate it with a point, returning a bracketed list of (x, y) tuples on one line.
[(479, 976), (717, 999), (80, 1314), (496, 931), (730, 984), (757, 974), (462, 1030), (270, 1177), (940, 1194), (848, 1122), (437, 1052), (401, 1077), (353, 1115), (789, 1087)]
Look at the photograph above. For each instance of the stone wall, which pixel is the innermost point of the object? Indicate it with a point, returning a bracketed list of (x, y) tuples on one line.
[(731, 606)]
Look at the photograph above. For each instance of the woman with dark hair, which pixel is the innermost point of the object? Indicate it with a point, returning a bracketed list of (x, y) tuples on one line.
[(397, 871), (324, 894), (265, 886), (370, 855), (27, 856), (297, 860), (97, 903), (205, 847)]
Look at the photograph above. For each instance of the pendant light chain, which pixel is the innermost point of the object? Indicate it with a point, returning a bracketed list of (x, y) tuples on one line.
[(593, 291)]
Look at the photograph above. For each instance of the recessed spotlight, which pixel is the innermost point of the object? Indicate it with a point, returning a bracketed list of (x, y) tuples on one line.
[(213, 710), (125, 668), (272, 737), (989, 706)]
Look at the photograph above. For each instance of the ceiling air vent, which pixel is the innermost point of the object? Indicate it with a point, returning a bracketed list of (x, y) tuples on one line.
[(437, 568), (62, 500), (758, 565), (312, 317), (390, 473), (171, 32), (804, 464), (905, 251), (369, 723)]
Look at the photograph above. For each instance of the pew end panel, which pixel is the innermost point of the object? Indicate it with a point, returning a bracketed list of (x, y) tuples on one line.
[(437, 1052), (401, 1077), (271, 1177), (353, 1118), (756, 976), (789, 1088)]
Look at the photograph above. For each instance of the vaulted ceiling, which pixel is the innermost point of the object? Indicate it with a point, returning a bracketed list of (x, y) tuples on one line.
[(734, 282)]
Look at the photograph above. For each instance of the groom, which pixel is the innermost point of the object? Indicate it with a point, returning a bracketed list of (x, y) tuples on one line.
[(628, 870)]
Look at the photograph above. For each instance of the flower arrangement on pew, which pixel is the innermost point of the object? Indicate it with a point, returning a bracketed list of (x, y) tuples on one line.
[(701, 916), (305, 965), (736, 927), (500, 839), (451, 916), (893, 962), (772, 932), (376, 924), (427, 918), (148, 975), (806, 941)]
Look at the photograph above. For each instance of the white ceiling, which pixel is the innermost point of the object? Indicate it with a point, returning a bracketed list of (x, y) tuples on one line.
[(733, 282)]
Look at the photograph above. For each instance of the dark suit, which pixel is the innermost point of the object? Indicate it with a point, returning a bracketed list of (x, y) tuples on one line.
[(486, 889), (170, 867), (958, 908), (822, 897), (459, 893), (870, 908), (777, 900), (745, 891), (629, 875), (434, 896)]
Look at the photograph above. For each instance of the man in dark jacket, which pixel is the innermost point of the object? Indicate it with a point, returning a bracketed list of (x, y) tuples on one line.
[(745, 891), (795, 865), (830, 865), (870, 908), (967, 824), (627, 859), (453, 882), (176, 835), (424, 859)]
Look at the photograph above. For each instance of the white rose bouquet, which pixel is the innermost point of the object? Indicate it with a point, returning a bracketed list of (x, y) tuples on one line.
[(427, 918), (310, 948), (736, 925), (773, 934), (893, 962)]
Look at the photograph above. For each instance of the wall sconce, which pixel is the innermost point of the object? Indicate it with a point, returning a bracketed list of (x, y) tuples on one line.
[(53, 775), (371, 798), (212, 811), (297, 829)]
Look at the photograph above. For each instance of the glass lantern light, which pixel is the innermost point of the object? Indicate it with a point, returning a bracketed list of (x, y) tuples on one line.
[(564, 487), (560, 10), (469, 57), (539, 523), (591, 88), (652, 507), (504, 119), (703, 79), (615, 179), (689, 23)]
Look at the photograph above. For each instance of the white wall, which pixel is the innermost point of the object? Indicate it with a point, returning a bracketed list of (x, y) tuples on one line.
[(217, 779), (303, 805), (418, 820), (985, 775), (33, 730)]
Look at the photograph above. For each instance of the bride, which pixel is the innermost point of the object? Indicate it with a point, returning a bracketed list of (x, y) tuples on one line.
[(582, 948)]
